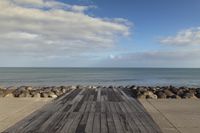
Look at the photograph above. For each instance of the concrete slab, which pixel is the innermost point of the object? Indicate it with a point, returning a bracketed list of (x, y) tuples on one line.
[(172, 115), (13, 110)]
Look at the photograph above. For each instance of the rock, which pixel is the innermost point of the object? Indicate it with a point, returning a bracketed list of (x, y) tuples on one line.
[(17, 92), (147, 95), (73, 87), (161, 95), (52, 95), (151, 95), (25, 94), (11, 88), (142, 89), (174, 90), (21, 88), (198, 95), (44, 95), (189, 95), (179, 92), (175, 97), (29, 88), (10, 95), (63, 90), (36, 95), (168, 93), (110, 87), (94, 87), (198, 90), (57, 91)]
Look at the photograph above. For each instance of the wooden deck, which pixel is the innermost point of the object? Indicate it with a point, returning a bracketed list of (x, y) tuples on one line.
[(99, 110)]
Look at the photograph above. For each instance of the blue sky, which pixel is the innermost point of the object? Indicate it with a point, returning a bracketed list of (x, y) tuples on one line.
[(100, 33)]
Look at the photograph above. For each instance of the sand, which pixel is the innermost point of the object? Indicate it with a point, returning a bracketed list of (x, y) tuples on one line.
[(13, 110), (175, 116)]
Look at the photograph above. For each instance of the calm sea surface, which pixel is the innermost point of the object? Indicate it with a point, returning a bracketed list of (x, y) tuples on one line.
[(102, 76)]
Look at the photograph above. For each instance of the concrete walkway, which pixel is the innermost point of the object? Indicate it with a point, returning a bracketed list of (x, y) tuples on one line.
[(175, 116)]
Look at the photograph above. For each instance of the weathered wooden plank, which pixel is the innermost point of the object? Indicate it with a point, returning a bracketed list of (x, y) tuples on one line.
[(93, 107), (83, 107), (110, 122), (99, 95), (117, 123), (88, 107), (111, 125), (89, 125), (122, 119), (105, 110), (97, 123), (82, 125), (62, 114), (103, 107), (151, 126), (104, 125), (112, 107), (73, 127), (68, 123), (140, 120)]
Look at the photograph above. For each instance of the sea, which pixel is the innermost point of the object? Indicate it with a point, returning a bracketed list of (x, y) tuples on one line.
[(100, 76)]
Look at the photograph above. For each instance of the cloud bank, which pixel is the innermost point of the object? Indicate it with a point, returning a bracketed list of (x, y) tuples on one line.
[(167, 58), (186, 37), (52, 28)]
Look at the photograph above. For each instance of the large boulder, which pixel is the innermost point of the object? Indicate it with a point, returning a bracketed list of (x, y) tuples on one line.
[(150, 95), (17, 92), (21, 88), (25, 94), (161, 95), (198, 90), (29, 88), (147, 95), (175, 97), (73, 87), (35, 94), (52, 95), (168, 93), (189, 95), (58, 90), (180, 92), (9, 95), (11, 88), (198, 95), (44, 95)]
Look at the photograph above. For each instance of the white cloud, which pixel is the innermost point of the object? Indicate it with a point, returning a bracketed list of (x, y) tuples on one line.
[(49, 28), (186, 37)]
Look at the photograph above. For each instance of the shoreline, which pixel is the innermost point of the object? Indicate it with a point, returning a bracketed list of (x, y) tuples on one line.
[(138, 92)]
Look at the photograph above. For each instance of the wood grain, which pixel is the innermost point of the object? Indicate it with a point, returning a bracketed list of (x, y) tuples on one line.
[(86, 110)]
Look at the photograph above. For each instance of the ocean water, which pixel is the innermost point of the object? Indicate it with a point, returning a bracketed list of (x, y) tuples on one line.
[(99, 76)]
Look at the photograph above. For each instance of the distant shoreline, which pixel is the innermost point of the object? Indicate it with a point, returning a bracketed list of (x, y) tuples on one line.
[(107, 67)]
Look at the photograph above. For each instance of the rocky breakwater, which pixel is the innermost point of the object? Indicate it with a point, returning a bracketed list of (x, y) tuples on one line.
[(166, 92), (35, 92)]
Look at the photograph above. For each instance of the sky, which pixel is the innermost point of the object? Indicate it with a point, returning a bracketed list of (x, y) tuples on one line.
[(100, 33)]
